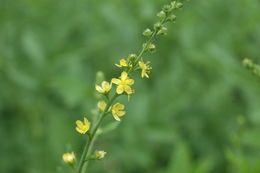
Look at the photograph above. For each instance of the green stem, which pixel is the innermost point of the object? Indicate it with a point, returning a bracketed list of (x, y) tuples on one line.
[(148, 42), (92, 136), (91, 139)]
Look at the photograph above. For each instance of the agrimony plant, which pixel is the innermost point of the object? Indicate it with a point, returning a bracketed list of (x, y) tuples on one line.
[(120, 86)]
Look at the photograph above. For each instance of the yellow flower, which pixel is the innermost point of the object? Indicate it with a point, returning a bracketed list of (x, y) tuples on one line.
[(102, 106), (104, 88), (117, 111), (82, 127), (69, 158), (123, 63), (100, 154), (124, 83), (145, 68)]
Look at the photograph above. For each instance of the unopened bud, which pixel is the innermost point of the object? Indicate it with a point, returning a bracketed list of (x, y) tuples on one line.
[(173, 4), (151, 47), (101, 106), (162, 31), (157, 26), (171, 18), (100, 154), (69, 158), (248, 63), (147, 32), (167, 8), (132, 56), (161, 15), (179, 5)]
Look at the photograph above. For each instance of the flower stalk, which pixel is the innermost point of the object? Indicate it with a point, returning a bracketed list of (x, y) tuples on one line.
[(122, 86), (92, 135)]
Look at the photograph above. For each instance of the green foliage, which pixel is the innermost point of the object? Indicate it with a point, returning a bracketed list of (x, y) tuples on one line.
[(183, 119)]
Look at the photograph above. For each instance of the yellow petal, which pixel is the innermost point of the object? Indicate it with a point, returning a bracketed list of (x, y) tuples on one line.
[(119, 89), (107, 87), (116, 81), (120, 113), (143, 73), (129, 81), (113, 111), (123, 76), (79, 123), (120, 106), (104, 84), (116, 117), (86, 122), (123, 62), (141, 64), (79, 130), (128, 89), (99, 89)]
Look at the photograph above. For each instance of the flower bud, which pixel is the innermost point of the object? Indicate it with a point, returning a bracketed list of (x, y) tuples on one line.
[(101, 106), (161, 15), (69, 158), (157, 26), (147, 32), (179, 5), (151, 48), (100, 77), (173, 4), (100, 154), (248, 63), (167, 8), (131, 59), (171, 18), (132, 56), (162, 31)]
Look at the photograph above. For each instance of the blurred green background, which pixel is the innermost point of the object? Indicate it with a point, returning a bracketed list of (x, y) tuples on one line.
[(198, 113)]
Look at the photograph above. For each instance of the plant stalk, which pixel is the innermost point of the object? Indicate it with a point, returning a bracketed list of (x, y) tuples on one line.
[(91, 138)]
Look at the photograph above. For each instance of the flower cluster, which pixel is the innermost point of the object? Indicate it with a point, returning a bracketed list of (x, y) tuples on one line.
[(254, 68), (121, 86)]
